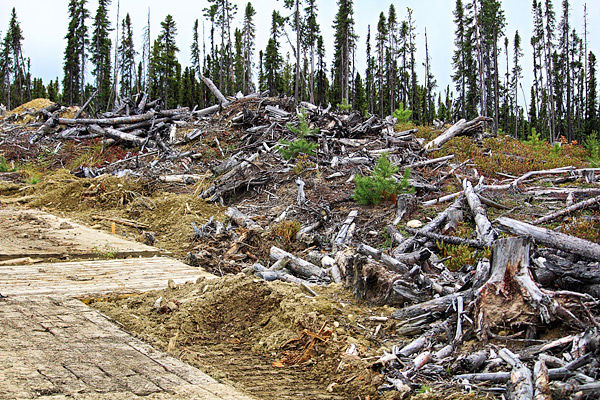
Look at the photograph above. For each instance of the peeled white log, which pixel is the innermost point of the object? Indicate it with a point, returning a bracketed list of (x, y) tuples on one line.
[(296, 264), (551, 238), (485, 231)]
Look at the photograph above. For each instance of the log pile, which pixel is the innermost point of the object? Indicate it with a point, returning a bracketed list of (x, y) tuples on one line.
[(528, 305)]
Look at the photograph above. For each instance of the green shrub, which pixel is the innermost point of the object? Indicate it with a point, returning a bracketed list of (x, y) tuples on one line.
[(4, 167), (303, 129), (402, 115), (381, 185), (592, 144), (534, 139), (344, 106), (291, 150)]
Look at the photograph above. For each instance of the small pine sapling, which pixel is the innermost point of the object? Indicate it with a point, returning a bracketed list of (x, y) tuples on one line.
[(402, 115), (381, 185), (291, 149), (592, 144)]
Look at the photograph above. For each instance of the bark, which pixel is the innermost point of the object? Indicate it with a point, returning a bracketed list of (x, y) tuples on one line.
[(552, 239), (297, 265), (485, 231), (107, 121), (567, 211)]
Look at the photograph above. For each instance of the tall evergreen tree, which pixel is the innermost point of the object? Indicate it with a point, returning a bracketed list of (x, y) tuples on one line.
[(312, 31), (15, 39), (592, 122), (345, 40), (100, 51), (248, 37), (516, 75), (381, 40), (72, 59), (272, 58), (164, 67), (127, 58)]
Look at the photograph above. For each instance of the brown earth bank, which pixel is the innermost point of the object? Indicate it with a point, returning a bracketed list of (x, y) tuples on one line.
[(273, 339)]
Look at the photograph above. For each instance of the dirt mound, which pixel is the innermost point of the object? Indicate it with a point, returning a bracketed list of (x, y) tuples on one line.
[(271, 338), (33, 105)]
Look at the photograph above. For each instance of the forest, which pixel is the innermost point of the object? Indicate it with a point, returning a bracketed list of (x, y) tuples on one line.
[(563, 99)]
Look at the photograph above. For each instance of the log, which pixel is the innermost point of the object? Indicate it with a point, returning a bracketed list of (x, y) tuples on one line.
[(556, 240), (115, 134), (344, 235), (447, 135), (477, 244), (520, 386), (430, 227), (455, 130), (297, 265), (437, 306), (485, 232), (107, 121), (567, 211), (242, 219), (429, 162), (542, 381)]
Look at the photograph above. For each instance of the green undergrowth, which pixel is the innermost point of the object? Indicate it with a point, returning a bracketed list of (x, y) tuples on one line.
[(381, 185)]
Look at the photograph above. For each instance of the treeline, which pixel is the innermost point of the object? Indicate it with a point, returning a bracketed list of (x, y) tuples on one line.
[(487, 69)]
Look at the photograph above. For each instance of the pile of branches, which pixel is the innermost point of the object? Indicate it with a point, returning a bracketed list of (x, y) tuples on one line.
[(135, 122)]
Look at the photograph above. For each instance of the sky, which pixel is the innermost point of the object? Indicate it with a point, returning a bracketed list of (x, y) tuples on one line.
[(44, 25)]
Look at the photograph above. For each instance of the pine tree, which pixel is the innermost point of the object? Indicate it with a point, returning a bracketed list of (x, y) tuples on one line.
[(164, 67), (458, 59), (100, 50), (82, 35), (248, 37), (345, 40), (359, 100), (238, 62), (548, 59), (381, 40), (391, 57), (566, 67), (72, 60), (195, 49), (272, 59), (592, 122), (127, 58), (516, 75), (15, 39), (322, 82), (311, 35), (223, 12)]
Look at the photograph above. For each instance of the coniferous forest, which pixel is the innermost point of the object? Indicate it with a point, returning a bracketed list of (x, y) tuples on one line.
[(487, 65)]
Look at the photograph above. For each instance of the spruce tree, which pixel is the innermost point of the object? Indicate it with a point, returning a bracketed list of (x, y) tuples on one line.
[(458, 59), (311, 36), (15, 39), (127, 58), (72, 59), (359, 100), (592, 122), (345, 40), (272, 59), (381, 40), (516, 75), (248, 37), (100, 50)]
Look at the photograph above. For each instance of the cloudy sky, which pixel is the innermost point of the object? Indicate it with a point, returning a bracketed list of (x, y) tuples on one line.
[(44, 24)]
